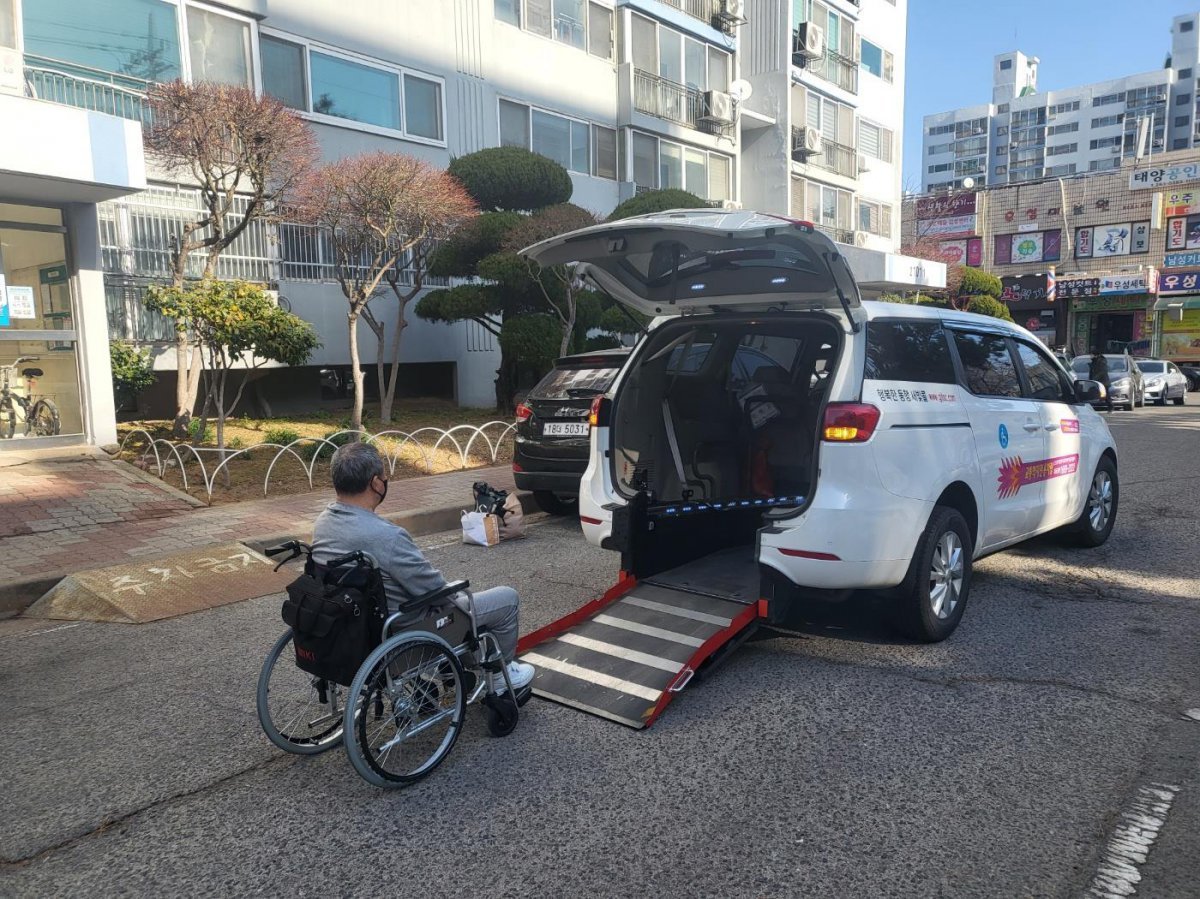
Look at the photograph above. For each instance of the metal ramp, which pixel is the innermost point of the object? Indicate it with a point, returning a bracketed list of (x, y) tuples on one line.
[(627, 654)]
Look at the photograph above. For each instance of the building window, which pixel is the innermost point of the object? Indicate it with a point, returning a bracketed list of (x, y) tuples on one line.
[(1001, 170), (828, 206), (574, 144), (1185, 73), (941, 167), (1065, 128), (935, 130), (1180, 143), (604, 150), (1060, 108), (140, 37), (1061, 148), (1002, 108), (508, 11), (875, 218), (1186, 26), (659, 164), (1105, 121), (1181, 121), (514, 125), (1183, 100), (1005, 64), (600, 31), (1002, 150), (875, 140), (1108, 99), (1102, 142), (1057, 171), (8, 24), (566, 21), (674, 57), (219, 48), (1002, 131), (324, 82), (538, 17), (876, 60)]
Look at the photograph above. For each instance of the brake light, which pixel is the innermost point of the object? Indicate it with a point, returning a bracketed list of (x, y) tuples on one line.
[(524, 413), (598, 417), (849, 422)]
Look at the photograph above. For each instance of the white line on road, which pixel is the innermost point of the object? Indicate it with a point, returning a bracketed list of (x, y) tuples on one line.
[(1131, 841), (49, 630)]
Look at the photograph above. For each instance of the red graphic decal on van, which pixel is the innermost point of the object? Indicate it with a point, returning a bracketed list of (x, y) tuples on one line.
[(1070, 425), (1015, 474)]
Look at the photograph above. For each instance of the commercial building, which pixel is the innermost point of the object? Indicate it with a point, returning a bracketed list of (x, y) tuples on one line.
[(1109, 260), (1024, 135), (629, 95)]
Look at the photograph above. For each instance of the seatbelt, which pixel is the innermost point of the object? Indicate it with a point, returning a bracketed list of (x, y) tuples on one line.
[(673, 443)]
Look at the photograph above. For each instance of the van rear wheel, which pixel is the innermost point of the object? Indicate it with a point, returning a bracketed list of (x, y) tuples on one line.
[(934, 594)]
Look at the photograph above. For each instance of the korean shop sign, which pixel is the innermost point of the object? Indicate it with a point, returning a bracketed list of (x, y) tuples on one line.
[(1121, 239), (946, 207), (1115, 303), (963, 252), (1128, 284), (1182, 260), (944, 227), (1025, 290), (1148, 179), (1170, 283), (1037, 246), (1183, 232), (1180, 202), (1073, 288)]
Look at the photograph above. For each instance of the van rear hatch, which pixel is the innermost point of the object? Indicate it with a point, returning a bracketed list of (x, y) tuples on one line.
[(708, 260)]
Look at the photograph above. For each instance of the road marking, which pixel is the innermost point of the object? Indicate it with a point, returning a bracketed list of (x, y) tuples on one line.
[(676, 610), (594, 677), (49, 630), (620, 652), (1131, 841), (1192, 714), (648, 630)]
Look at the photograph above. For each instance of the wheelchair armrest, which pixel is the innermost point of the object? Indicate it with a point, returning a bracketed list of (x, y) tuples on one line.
[(433, 596)]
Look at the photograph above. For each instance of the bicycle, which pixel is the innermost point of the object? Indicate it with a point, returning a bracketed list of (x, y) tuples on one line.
[(41, 416), (411, 691)]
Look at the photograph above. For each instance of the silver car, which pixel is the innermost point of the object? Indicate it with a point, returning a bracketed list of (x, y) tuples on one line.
[(1164, 381)]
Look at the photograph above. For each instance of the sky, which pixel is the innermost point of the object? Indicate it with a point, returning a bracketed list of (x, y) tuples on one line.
[(951, 44)]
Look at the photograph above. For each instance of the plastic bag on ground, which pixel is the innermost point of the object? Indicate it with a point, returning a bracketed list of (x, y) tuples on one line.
[(513, 523), (480, 528)]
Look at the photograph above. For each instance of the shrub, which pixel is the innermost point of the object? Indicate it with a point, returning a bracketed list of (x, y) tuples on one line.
[(657, 201), (985, 305), (131, 371), (235, 443), (512, 178), (282, 436), (209, 435), (976, 282)]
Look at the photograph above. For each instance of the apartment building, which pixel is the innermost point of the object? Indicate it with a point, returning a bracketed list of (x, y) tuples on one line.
[(1108, 259), (1024, 135), (628, 95)]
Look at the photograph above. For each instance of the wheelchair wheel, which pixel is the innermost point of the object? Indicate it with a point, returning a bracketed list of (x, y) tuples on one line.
[(410, 700), (502, 714), (298, 712)]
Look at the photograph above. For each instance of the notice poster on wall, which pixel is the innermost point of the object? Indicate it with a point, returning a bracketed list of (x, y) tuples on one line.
[(1181, 338), (20, 302), (4, 316)]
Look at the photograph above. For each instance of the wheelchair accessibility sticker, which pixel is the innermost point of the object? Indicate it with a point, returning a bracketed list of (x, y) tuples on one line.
[(1015, 474), (1003, 437)]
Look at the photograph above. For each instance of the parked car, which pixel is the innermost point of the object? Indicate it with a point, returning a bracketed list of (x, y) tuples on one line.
[(1164, 381), (552, 433), (883, 447), (1125, 379), (1192, 373)]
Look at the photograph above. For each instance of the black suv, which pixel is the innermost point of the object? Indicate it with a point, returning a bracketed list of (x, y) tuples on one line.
[(553, 436)]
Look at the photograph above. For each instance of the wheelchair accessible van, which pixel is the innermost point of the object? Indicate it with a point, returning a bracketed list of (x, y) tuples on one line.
[(394, 688)]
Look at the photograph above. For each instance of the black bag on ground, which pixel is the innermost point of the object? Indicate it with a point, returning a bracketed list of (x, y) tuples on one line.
[(489, 499), (336, 616)]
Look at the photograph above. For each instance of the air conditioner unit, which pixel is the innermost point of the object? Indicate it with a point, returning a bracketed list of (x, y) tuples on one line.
[(810, 42), (863, 165), (1157, 143), (718, 108), (807, 142), (861, 238), (732, 11)]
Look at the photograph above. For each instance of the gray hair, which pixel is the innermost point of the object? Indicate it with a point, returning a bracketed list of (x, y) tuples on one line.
[(353, 466)]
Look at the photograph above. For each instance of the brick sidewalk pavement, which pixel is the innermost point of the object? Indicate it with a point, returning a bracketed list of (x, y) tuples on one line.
[(60, 517)]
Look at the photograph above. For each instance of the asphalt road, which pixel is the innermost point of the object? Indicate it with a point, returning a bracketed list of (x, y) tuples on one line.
[(841, 761)]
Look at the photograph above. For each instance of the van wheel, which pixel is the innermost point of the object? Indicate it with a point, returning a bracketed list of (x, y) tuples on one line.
[(1099, 514), (554, 504), (934, 594)]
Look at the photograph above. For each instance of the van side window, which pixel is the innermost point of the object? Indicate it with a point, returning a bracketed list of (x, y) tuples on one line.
[(987, 363), (908, 351), (1044, 380)]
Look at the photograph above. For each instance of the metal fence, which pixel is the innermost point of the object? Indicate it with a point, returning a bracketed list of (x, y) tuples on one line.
[(86, 88), (835, 68), (656, 96), (128, 319), (838, 158), (306, 254), (704, 10)]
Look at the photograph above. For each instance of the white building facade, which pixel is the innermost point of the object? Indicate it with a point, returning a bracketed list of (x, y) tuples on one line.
[(1022, 135), (629, 95)]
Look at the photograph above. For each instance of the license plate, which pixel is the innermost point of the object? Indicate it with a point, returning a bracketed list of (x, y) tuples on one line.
[(565, 429)]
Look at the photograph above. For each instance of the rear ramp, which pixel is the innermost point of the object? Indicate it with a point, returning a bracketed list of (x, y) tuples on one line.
[(627, 654)]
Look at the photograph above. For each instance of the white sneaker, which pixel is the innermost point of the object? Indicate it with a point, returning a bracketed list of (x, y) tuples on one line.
[(519, 673)]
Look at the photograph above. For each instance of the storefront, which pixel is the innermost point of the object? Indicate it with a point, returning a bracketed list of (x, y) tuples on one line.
[(1032, 301), (55, 379), (1178, 309), (1112, 313)]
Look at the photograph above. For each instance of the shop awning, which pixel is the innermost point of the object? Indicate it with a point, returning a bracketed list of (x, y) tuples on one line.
[(1162, 304)]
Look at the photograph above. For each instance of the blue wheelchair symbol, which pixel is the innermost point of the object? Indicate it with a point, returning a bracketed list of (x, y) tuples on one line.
[(1003, 437)]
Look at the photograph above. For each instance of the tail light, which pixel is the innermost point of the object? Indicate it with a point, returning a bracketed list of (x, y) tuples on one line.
[(598, 417), (524, 413), (849, 422)]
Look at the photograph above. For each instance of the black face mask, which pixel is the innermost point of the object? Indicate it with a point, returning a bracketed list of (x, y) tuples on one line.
[(382, 496)]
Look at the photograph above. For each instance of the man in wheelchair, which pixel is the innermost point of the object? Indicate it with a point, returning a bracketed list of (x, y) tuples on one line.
[(350, 524)]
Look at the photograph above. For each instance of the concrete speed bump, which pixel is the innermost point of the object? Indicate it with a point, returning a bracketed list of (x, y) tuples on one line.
[(137, 592)]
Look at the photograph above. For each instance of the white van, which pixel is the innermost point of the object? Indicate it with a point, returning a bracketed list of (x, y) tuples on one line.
[(840, 444)]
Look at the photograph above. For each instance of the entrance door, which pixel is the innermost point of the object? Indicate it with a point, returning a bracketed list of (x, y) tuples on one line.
[(39, 369)]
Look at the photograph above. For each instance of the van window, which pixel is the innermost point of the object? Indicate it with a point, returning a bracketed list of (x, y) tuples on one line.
[(1044, 380), (575, 379), (908, 351), (987, 364)]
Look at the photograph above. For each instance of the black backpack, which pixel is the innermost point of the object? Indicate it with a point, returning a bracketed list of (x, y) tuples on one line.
[(336, 613)]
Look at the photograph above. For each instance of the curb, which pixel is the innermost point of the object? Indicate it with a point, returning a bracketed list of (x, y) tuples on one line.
[(17, 596), (146, 477)]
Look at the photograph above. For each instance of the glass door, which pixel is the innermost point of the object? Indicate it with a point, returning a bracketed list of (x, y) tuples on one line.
[(39, 367)]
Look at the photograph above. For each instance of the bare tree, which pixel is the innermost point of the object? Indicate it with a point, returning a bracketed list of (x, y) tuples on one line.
[(415, 266), (235, 147), (376, 208)]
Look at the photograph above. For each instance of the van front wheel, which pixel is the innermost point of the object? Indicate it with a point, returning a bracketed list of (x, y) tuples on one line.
[(934, 594)]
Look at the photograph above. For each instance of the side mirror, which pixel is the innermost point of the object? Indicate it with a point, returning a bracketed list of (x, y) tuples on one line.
[(1088, 391)]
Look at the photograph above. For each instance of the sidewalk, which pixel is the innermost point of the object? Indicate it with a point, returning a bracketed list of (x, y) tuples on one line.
[(59, 517)]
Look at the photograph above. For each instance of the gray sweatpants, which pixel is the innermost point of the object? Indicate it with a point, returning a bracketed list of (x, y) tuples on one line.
[(496, 610)]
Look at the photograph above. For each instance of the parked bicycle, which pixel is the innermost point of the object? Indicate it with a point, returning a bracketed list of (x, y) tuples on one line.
[(40, 416)]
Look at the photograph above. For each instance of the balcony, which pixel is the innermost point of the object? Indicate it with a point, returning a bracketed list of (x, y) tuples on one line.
[(837, 235), (833, 67), (706, 11), (663, 99), (92, 89), (834, 157)]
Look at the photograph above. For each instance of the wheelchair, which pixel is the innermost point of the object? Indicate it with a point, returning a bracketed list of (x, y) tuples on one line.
[(402, 713)]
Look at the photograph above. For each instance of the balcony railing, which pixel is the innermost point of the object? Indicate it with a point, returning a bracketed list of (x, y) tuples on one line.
[(656, 96), (839, 235), (704, 10), (834, 157), (85, 88), (833, 67)]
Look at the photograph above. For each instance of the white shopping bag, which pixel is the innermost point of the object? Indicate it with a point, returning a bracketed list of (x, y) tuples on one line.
[(480, 528), (513, 523)]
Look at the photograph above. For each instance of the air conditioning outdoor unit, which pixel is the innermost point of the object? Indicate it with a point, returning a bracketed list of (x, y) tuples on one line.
[(861, 238), (808, 142), (863, 165), (732, 11), (718, 108), (810, 42)]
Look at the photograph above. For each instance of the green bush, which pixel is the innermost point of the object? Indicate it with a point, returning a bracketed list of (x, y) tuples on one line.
[(657, 201), (985, 305), (235, 443), (976, 282), (209, 436), (512, 178), (131, 371), (282, 436)]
